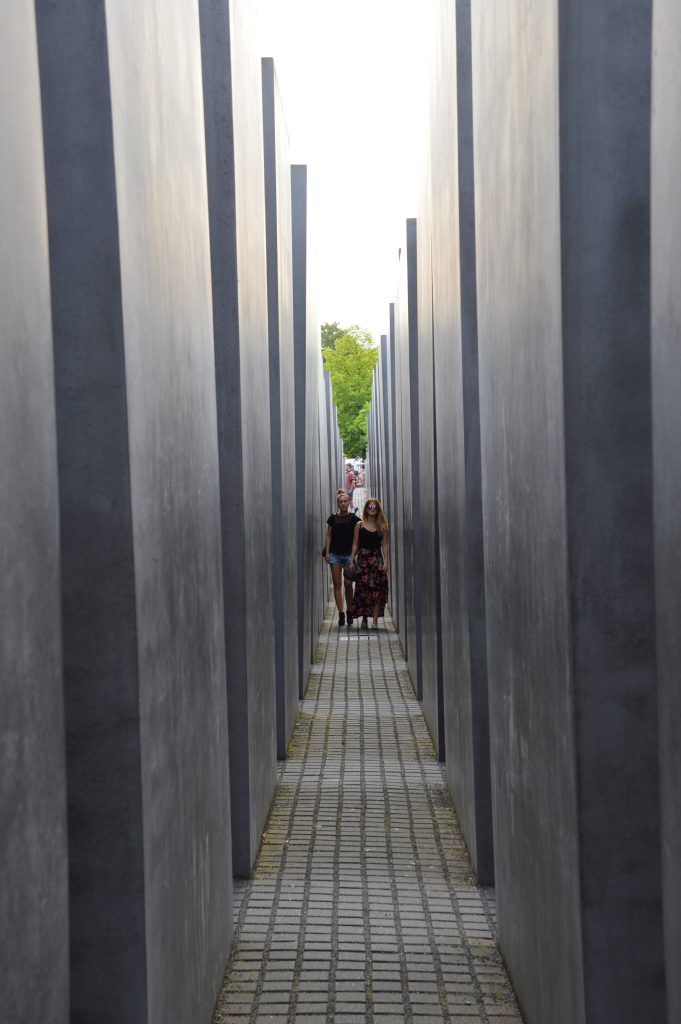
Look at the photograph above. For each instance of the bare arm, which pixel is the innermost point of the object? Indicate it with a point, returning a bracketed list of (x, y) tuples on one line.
[(355, 542)]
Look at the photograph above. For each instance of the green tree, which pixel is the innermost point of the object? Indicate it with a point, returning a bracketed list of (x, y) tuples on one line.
[(330, 334), (351, 363)]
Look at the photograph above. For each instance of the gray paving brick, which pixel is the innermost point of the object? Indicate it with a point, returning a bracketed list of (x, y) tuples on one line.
[(362, 906)]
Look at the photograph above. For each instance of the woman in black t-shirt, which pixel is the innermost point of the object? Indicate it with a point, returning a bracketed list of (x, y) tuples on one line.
[(337, 547), (370, 555)]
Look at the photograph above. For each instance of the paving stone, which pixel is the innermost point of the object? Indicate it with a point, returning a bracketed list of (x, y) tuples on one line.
[(363, 904)]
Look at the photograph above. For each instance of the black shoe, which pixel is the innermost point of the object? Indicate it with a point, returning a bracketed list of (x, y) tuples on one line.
[(341, 618), (350, 619), (365, 623)]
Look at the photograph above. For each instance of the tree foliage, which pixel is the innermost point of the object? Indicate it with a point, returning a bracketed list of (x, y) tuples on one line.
[(350, 362), (330, 334)]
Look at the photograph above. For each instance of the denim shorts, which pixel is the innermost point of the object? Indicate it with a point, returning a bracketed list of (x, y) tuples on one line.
[(339, 559)]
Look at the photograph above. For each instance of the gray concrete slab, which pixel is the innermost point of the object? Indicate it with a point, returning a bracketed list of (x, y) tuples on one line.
[(666, 376), (406, 328), (461, 553), (34, 969), (306, 466), (427, 539), (234, 152), (395, 548), (562, 166), (285, 512), (144, 662)]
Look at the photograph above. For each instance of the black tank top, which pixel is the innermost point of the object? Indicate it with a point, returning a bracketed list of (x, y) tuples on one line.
[(369, 539)]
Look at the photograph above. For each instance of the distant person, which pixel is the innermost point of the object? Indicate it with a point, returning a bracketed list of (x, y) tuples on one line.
[(340, 530), (361, 476), (369, 557), (349, 482)]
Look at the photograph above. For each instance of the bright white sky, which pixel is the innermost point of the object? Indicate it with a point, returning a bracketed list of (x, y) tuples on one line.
[(353, 82)]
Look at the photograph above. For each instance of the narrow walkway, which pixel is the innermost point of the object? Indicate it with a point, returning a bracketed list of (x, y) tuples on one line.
[(363, 906)]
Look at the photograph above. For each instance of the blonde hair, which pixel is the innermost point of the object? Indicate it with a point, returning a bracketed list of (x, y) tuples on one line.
[(381, 521)]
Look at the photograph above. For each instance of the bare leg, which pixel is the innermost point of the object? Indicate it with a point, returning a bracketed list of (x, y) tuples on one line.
[(348, 595), (375, 611), (337, 577)]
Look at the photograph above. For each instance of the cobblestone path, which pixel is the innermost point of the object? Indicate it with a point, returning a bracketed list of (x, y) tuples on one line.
[(362, 906)]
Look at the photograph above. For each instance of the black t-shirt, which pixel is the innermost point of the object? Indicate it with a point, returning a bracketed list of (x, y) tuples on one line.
[(342, 529), (370, 539)]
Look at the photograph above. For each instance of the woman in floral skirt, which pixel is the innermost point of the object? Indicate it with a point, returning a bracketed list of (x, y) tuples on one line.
[(370, 557)]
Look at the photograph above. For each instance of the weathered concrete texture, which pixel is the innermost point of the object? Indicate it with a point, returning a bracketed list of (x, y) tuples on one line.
[(384, 424), (282, 398), (395, 554), (562, 158), (406, 344), (666, 375), (144, 668), (458, 478), (402, 466), (234, 150), (34, 982), (312, 580), (427, 540), (306, 470)]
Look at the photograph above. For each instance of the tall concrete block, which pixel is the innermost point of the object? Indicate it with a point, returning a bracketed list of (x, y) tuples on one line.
[(406, 333), (400, 325), (285, 509), (34, 973), (232, 86), (143, 641), (427, 540), (666, 366), (562, 175), (395, 553), (458, 475), (306, 356), (382, 370)]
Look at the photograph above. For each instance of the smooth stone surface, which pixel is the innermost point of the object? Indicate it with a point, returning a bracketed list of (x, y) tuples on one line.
[(562, 164), (234, 153), (285, 511), (34, 969), (666, 366), (426, 540), (144, 662), (408, 499), (455, 341), (306, 355)]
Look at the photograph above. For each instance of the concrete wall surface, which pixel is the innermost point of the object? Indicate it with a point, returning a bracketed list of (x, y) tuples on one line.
[(392, 471), (408, 501), (426, 539), (232, 80), (144, 661), (562, 158), (403, 560), (34, 982), (460, 551), (282, 403), (666, 375), (306, 470)]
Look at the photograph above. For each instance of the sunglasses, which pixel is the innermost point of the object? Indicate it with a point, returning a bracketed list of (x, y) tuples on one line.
[(371, 508)]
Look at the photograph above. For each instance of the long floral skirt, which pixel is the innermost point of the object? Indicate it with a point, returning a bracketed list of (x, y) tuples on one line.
[(371, 585)]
